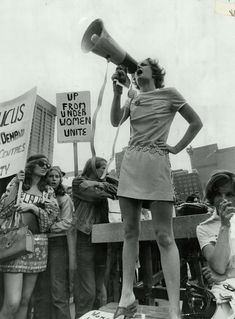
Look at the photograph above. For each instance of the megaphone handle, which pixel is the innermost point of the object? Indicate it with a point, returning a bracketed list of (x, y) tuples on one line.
[(126, 84), (118, 83)]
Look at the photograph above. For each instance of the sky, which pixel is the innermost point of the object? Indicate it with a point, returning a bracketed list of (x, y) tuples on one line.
[(41, 46)]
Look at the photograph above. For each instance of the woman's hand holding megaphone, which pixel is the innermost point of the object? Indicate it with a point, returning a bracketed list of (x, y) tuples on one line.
[(119, 79)]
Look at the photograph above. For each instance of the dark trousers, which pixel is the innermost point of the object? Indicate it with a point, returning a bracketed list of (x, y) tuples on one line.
[(89, 288), (51, 294)]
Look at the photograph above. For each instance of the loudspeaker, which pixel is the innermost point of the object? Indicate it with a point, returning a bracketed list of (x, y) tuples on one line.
[(98, 40)]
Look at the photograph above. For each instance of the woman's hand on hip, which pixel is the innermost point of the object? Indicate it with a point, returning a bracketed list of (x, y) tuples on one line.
[(167, 148)]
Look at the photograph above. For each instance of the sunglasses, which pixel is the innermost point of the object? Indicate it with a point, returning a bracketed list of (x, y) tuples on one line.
[(43, 164)]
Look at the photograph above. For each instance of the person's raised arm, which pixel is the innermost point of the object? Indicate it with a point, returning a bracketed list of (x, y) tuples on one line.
[(117, 112), (218, 254)]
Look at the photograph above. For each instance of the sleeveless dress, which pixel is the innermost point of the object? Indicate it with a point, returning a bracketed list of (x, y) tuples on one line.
[(146, 171)]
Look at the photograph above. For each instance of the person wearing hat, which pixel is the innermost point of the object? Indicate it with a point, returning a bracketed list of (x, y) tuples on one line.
[(39, 210), (51, 298), (216, 237)]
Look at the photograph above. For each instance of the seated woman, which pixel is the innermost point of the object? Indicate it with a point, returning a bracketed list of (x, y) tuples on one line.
[(216, 237)]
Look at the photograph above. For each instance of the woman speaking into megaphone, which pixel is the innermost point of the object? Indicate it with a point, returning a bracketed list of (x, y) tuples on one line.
[(145, 174)]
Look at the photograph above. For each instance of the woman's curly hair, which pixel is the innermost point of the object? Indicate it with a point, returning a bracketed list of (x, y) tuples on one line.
[(29, 169), (157, 72)]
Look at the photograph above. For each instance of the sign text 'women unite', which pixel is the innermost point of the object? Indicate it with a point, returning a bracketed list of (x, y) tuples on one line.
[(73, 117)]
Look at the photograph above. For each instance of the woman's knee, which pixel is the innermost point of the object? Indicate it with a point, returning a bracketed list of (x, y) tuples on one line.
[(131, 231), (25, 301), (164, 239), (10, 307)]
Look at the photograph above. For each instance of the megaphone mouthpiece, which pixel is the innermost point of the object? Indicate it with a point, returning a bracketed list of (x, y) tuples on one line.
[(97, 40)]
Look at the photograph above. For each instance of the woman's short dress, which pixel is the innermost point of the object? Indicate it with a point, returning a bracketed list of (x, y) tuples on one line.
[(33, 262), (145, 170)]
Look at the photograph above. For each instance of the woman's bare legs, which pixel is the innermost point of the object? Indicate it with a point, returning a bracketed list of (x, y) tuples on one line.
[(162, 223), (131, 209), (29, 281), (13, 283)]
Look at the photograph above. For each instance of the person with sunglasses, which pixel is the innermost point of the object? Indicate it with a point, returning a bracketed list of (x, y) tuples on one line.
[(51, 296), (39, 210)]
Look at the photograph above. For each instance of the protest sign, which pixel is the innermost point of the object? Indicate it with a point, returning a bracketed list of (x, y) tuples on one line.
[(73, 117), (15, 127), (97, 314), (225, 7)]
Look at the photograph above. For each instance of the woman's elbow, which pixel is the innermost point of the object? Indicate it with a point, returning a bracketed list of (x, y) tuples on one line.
[(200, 124), (197, 125), (218, 268)]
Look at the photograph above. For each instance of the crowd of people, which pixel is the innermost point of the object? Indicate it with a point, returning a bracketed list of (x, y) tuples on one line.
[(65, 262)]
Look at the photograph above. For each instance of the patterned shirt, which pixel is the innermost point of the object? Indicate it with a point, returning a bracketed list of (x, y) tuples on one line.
[(48, 209)]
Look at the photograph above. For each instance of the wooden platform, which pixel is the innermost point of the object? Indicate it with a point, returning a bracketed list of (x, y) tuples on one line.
[(184, 227), (159, 312)]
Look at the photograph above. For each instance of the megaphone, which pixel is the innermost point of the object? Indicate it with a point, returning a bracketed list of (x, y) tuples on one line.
[(97, 40)]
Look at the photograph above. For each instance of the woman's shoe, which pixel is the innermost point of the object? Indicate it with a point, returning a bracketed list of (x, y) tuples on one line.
[(127, 312)]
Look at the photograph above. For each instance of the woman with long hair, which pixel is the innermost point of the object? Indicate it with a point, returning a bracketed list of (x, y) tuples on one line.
[(39, 210), (51, 297), (90, 194)]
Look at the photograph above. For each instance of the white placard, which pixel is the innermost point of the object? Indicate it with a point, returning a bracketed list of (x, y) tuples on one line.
[(97, 314), (15, 128), (73, 117)]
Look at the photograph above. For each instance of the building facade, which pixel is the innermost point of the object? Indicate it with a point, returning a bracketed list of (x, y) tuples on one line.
[(209, 158), (43, 129), (186, 183)]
